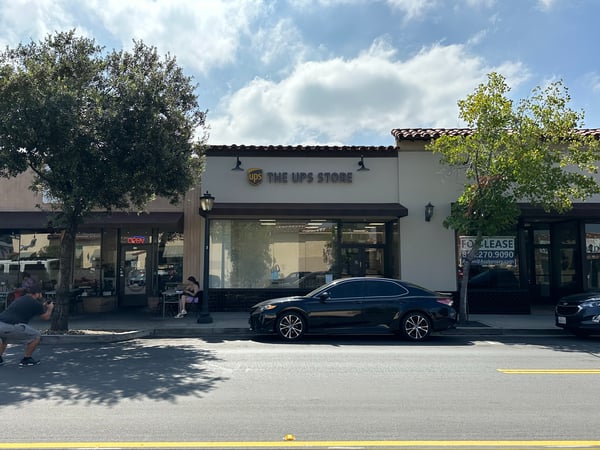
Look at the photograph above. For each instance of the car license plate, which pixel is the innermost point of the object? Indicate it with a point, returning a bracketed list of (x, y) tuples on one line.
[(562, 320)]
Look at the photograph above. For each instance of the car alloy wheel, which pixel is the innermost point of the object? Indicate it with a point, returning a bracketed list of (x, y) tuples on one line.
[(416, 326), (291, 326)]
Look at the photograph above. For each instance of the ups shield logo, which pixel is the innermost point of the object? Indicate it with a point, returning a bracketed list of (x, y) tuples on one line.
[(255, 176)]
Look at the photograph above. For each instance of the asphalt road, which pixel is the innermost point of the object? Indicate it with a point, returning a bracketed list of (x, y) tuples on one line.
[(322, 390)]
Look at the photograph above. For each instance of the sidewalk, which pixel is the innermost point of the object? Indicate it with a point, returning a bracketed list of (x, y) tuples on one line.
[(124, 325)]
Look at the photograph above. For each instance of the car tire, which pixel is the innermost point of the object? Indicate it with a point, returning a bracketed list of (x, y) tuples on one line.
[(415, 326), (290, 326)]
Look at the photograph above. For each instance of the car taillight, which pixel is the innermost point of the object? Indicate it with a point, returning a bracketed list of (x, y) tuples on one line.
[(445, 301)]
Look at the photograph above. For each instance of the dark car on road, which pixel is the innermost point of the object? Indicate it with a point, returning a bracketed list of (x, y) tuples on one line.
[(579, 313), (349, 305)]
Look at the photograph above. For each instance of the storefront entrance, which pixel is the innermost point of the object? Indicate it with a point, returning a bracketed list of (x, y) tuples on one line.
[(363, 260), (555, 260), (134, 274)]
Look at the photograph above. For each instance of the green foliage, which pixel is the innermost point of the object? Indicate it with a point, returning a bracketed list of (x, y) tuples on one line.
[(528, 153), (98, 130)]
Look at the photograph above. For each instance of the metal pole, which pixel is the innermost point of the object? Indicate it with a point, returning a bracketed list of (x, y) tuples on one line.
[(204, 316)]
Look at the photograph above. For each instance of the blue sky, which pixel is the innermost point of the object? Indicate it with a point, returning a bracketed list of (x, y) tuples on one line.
[(339, 71)]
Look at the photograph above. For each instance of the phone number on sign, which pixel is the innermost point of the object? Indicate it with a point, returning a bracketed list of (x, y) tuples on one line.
[(496, 254)]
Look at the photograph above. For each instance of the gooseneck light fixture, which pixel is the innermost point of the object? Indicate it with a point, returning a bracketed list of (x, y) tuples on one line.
[(361, 164), (207, 202), (428, 212), (238, 164)]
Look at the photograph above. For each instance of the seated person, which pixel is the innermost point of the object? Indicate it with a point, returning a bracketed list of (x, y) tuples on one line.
[(188, 296)]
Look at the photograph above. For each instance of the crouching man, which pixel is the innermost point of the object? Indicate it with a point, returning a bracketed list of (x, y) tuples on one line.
[(14, 322)]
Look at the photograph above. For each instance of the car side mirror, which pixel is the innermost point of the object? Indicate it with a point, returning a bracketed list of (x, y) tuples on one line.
[(324, 296)]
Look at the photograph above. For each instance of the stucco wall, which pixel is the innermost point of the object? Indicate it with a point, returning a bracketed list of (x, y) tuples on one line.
[(427, 249), (377, 185)]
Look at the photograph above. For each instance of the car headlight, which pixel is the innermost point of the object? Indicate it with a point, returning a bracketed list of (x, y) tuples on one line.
[(591, 304), (266, 308)]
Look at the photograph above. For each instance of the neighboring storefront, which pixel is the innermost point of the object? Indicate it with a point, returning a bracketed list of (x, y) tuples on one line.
[(287, 219)]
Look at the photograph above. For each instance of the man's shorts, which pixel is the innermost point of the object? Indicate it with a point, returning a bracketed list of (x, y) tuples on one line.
[(20, 332)]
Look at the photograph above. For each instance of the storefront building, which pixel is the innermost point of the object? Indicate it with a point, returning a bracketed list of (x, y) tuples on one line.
[(287, 219)]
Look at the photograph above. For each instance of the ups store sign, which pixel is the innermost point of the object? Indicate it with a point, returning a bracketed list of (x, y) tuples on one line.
[(257, 176)]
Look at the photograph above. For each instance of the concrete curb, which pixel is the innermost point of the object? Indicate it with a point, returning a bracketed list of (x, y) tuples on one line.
[(106, 337), (245, 333)]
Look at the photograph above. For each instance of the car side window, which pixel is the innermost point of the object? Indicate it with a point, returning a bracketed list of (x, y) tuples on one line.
[(383, 288), (347, 289)]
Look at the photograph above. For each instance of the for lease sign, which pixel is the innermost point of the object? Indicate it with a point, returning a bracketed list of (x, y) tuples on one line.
[(494, 250)]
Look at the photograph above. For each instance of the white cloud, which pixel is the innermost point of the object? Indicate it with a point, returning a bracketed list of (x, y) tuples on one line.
[(202, 35), (412, 8), (335, 99), (23, 21)]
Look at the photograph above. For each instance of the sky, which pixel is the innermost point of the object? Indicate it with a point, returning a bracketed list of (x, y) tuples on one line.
[(338, 72)]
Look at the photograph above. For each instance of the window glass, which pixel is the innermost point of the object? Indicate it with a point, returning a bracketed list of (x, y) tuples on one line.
[(363, 233), (592, 251), (170, 260), (347, 289), (87, 263), (383, 289), (496, 265), (271, 253)]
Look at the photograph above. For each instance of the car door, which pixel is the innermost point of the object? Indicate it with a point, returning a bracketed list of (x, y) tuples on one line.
[(341, 309), (382, 301)]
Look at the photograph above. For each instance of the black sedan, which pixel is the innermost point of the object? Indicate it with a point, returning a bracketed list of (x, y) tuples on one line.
[(579, 313), (353, 304)]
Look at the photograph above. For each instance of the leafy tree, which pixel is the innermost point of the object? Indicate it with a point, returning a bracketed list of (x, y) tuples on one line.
[(528, 152), (98, 130)]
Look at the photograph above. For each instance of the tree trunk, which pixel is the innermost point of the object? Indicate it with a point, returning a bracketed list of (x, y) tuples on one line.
[(463, 313), (60, 316)]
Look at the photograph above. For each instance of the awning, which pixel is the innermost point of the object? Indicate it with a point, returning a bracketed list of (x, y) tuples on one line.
[(309, 210), (41, 220)]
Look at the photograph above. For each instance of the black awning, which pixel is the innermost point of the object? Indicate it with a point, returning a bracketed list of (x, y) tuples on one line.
[(42, 220), (307, 210)]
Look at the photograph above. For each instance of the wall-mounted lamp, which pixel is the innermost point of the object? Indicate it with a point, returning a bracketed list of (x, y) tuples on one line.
[(361, 164), (238, 164), (428, 212)]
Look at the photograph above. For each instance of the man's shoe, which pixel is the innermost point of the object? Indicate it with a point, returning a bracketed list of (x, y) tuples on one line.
[(183, 312), (1, 361), (179, 316), (29, 361)]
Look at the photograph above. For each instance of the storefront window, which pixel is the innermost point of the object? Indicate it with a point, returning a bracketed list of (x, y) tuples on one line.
[(87, 263), (293, 254), (495, 266), (32, 253), (170, 260), (592, 250)]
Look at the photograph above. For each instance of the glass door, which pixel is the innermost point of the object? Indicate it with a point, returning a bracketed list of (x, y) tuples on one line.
[(361, 261), (133, 270)]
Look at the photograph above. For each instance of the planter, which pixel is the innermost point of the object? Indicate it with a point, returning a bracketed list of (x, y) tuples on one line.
[(99, 304)]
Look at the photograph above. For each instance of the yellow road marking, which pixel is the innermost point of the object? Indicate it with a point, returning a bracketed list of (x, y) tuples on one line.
[(307, 444), (550, 371)]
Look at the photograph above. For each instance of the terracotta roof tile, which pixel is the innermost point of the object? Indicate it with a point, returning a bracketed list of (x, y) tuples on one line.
[(426, 134), (295, 150)]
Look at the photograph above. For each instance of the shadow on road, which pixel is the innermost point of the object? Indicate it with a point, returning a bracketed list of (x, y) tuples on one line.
[(109, 373)]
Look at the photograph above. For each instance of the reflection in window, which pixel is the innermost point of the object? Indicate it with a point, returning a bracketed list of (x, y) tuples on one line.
[(87, 263), (592, 252), (291, 254), (170, 260)]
